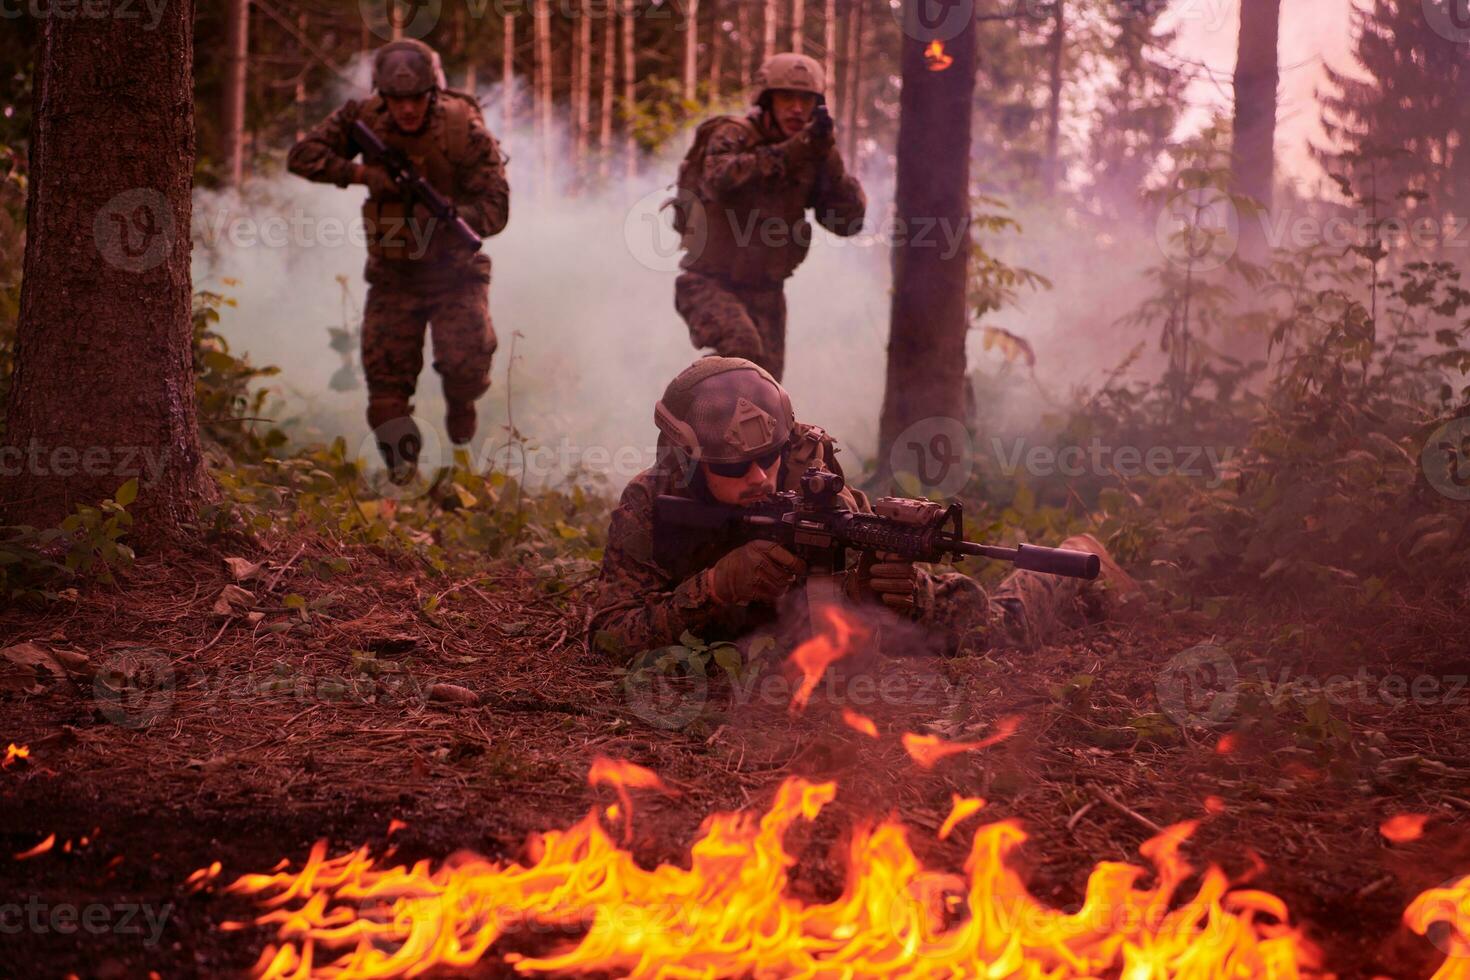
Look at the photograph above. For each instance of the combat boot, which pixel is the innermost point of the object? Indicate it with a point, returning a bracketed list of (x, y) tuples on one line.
[(459, 421), (398, 437)]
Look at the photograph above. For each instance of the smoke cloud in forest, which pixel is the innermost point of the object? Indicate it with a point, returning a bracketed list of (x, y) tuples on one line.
[(590, 294)]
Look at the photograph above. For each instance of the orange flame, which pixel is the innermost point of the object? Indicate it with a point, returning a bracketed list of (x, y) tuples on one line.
[(859, 723), (935, 56), (1227, 744), (620, 774), (816, 654), (13, 753), (962, 808), (929, 750), (38, 850), (1450, 905), (1404, 827), (729, 914)]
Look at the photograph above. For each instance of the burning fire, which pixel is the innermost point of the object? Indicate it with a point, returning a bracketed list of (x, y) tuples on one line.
[(929, 750), (46, 844), (935, 56), (1403, 827), (859, 723), (14, 753), (729, 913), (816, 654), (1449, 906)]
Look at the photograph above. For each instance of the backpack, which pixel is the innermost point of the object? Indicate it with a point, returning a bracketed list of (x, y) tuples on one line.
[(689, 185)]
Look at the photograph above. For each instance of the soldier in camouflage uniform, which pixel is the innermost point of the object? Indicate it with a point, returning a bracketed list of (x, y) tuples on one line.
[(727, 434), (419, 274), (752, 179)]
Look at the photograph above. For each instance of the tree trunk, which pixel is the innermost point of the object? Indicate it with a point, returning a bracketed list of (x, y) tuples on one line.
[(798, 25), (629, 92), (103, 390), (584, 84), (1253, 160), (232, 118), (768, 48), (542, 68), (929, 319), (691, 49), (716, 52), (1057, 44), (854, 83), (829, 42), (747, 45), (609, 68), (508, 74)]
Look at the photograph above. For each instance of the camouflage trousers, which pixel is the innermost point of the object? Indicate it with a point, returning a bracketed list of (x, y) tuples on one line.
[(453, 304), (1027, 608), (737, 321)]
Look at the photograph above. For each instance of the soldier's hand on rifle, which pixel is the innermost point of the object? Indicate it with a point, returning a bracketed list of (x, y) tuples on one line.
[(757, 571), (889, 581), (376, 178), (822, 125)]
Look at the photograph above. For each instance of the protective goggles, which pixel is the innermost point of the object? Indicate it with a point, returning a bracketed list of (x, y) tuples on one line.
[(735, 470)]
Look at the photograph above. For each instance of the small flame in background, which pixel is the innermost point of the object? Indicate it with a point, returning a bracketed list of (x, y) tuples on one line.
[(13, 754), (813, 656), (1403, 827), (935, 56)]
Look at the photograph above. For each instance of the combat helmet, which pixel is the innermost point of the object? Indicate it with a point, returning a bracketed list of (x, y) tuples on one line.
[(406, 68), (723, 410), (791, 71)]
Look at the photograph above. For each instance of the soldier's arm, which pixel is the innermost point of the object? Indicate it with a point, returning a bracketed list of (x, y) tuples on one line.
[(838, 202), (731, 164), (485, 193), (638, 607), (325, 154)]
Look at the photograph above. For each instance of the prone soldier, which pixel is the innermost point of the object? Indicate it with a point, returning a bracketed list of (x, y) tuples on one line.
[(728, 435), (744, 189), (422, 271)]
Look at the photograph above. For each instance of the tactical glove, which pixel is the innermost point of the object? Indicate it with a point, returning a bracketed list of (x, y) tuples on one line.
[(893, 583), (821, 124), (757, 571), (378, 182)]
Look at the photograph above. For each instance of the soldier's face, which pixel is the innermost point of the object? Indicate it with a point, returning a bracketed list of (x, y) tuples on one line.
[(408, 112), (792, 110), (756, 485)]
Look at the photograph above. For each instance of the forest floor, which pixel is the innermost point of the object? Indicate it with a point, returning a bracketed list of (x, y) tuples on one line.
[(188, 736)]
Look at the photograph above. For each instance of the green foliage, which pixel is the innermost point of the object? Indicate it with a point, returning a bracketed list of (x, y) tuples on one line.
[(87, 546), (229, 411)]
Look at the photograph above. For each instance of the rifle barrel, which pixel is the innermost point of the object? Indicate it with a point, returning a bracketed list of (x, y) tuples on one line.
[(1034, 558)]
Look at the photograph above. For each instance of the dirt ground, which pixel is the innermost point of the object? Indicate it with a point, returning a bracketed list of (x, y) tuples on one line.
[(188, 736)]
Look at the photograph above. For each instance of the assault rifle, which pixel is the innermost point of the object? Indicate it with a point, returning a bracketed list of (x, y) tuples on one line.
[(411, 184), (816, 526)]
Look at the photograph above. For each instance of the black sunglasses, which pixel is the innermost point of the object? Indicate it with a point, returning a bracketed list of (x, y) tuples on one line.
[(734, 470)]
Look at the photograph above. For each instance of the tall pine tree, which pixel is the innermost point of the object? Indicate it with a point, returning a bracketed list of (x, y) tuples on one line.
[(1409, 113)]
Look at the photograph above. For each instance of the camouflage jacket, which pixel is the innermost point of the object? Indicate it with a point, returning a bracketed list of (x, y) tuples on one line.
[(454, 151), (642, 605), (756, 187)]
